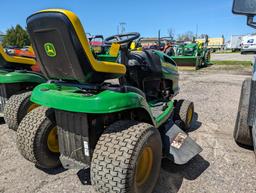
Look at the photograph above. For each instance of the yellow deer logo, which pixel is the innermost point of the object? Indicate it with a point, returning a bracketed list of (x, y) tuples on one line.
[(50, 49)]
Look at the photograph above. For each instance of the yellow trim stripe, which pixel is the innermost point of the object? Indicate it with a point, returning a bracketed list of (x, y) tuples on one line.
[(16, 59), (99, 66)]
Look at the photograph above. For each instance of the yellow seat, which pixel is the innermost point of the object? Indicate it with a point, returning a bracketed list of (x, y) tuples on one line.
[(61, 34), (16, 59)]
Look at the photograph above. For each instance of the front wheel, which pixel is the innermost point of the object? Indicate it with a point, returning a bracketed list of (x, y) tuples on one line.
[(37, 138), (127, 158), (184, 114)]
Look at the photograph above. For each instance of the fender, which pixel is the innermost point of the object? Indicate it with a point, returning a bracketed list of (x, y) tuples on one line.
[(20, 76), (69, 98)]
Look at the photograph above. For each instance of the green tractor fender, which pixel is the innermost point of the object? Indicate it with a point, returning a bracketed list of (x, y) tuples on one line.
[(105, 102), (20, 76)]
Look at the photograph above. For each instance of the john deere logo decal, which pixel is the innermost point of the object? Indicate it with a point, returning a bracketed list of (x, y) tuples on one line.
[(50, 49)]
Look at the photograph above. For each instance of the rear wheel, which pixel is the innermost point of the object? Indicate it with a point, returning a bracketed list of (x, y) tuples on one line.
[(37, 138), (16, 109), (127, 158), (207, 58), (184, 113), (242, 132)]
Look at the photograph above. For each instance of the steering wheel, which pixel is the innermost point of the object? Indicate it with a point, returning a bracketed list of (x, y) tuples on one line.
[(122, 38)]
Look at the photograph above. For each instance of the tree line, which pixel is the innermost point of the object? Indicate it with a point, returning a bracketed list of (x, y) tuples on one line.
[(16, 36)]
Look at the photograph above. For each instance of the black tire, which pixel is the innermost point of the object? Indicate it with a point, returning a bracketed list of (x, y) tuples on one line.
[(254, 138), (32, 135), (16, 109), (242, 131), (207, 58), (113, 167), (182, 116)]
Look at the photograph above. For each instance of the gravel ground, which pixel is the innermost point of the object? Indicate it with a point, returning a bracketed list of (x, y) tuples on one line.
[(221, 167), (233, 56)]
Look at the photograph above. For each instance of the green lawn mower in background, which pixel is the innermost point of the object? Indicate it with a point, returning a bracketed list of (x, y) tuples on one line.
[(121, 131), (17, 80), (192, 54), (101, 50)]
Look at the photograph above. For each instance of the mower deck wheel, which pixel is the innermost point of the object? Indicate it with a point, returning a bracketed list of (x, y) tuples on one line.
[(127, 158), (184, 113), (37, 138), (16, 109), (242, 132)]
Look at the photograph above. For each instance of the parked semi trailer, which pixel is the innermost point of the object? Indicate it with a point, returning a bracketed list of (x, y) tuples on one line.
[(248, 44), (214, 44)]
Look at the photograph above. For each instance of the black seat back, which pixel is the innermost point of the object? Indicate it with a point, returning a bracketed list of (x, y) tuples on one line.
[(58, 48)]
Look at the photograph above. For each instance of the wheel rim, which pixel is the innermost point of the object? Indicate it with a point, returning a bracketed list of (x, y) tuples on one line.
[(189, 115), (52, 141), (32, 107), (144, 166)]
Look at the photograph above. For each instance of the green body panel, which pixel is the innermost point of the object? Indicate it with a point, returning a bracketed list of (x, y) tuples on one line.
[(165, 115), (69, 98), (16, 76), (106, 57), (186, 60), (169, 70)]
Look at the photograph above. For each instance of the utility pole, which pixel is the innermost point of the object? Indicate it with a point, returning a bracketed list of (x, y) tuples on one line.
[(159, 38), (196, 30), (121, 27)]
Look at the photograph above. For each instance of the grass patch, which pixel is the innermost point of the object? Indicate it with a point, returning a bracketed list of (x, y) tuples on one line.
[(186, 68), (227, 52), (230, 62)]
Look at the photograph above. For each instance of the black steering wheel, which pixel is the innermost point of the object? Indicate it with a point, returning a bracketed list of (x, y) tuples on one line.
[(122, 38)]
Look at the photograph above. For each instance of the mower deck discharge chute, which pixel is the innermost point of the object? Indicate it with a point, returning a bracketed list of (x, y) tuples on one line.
[(121, 131), (17, 80)]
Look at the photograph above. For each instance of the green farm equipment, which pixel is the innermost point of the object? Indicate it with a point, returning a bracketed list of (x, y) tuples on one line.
[(120, 130), (17, 80), (192, 54)]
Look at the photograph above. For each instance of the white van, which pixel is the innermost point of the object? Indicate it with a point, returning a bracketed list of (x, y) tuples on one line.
[(248, 44)]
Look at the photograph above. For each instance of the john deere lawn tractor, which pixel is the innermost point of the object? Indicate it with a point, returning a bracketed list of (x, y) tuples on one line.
[(17, 79), (120, 130), (192, 54)]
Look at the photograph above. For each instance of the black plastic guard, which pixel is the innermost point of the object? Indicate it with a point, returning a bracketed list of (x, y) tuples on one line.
[(73, 136), (178, 146)]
